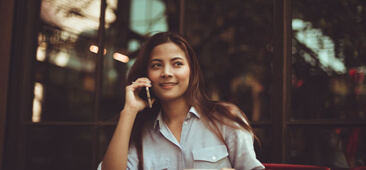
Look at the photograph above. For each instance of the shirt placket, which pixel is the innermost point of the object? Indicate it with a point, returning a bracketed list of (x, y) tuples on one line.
[(187, 124), (183, 139)]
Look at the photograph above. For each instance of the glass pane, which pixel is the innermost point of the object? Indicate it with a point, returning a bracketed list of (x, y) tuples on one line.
[(59, 148), (263, 148), (123, 42), (233, 40), (105, 136), (328, 59), (66, 59), (336, 148)]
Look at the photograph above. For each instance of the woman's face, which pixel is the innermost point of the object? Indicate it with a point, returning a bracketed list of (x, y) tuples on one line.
[(169, 71)]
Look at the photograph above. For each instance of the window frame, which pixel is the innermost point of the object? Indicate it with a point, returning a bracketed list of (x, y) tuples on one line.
[(16, 93)]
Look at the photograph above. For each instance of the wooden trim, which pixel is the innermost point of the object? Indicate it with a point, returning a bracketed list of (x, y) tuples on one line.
[(6, 22), (287, 74), (21, 81), (98, 80), (281, 77), (327, 123), (181, 16), (100, 61)]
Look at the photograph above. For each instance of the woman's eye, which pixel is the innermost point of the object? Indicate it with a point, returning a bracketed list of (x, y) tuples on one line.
[(156, 65), (178, 64)]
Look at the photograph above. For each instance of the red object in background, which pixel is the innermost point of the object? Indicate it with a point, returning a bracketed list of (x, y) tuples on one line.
[(273, 166), (338, 130), (352, 144), (352, 72), (299, 83)]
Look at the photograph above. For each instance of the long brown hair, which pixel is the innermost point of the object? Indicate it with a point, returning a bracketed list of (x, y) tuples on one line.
[(213, 112)]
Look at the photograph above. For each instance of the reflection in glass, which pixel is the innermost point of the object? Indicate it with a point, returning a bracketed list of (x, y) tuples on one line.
[(66, 58), (76, 16), (263, 148), (105, 136), (328, 59), (37, 102), (59, 148), (148, 16), (336, 148), (233, 40)]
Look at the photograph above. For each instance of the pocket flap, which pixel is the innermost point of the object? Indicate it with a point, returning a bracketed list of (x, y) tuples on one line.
[(156, 164), (210, 154)]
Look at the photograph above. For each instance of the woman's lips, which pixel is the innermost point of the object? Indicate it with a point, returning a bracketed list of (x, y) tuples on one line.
[(167, 85)]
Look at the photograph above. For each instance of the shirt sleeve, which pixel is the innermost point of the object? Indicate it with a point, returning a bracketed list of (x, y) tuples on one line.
[(132, 160), (241, 150)]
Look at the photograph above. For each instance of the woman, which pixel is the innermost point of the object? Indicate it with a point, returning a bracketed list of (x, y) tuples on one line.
[(183, 129)]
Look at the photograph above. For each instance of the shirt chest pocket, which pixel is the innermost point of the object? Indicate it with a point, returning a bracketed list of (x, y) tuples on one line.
[(211, 157)]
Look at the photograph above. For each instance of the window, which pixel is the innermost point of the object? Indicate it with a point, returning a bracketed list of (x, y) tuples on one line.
[(328, 70), (296, 68)]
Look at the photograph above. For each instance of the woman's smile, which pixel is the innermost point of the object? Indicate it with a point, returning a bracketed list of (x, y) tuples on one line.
[(167, 85)]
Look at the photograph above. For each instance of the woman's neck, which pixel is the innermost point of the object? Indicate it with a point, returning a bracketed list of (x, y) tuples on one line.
[(175, 111)]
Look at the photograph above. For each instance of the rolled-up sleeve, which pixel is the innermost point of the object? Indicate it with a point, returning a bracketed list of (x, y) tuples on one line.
[(241, 150)]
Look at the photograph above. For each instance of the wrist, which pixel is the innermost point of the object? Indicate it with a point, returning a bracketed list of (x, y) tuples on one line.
[(129, 111)]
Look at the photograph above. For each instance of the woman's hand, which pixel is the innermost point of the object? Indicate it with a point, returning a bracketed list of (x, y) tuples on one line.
[(133, 101)]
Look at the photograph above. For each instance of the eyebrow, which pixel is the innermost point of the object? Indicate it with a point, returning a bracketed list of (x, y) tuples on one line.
[(173, 59)]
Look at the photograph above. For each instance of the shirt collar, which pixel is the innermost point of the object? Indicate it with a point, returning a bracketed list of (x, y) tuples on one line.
[(159, 119)]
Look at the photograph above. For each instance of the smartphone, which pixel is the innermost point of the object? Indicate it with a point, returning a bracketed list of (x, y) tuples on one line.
[(147, 94), (148, 97)]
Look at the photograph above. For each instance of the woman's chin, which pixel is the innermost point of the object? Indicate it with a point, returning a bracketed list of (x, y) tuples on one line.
[(169, 98)]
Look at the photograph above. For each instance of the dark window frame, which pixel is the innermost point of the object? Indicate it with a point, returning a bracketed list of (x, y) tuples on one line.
[(17, 88), (6, 22)]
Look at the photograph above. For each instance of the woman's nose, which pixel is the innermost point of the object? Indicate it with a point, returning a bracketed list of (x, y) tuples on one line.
[(166, 72)]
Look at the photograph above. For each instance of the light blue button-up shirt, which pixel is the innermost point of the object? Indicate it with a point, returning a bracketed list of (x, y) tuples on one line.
[(198, 148)]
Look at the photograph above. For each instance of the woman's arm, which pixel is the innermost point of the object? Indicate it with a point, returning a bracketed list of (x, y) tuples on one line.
[(116, 154)]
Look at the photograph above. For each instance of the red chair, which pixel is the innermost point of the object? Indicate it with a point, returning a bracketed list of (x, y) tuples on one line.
[(274, 166)]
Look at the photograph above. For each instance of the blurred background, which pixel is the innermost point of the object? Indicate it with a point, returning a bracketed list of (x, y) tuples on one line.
[(296, 68)]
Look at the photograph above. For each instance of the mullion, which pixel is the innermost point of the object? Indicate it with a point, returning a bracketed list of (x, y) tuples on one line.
[(281, 77), (99, 79)]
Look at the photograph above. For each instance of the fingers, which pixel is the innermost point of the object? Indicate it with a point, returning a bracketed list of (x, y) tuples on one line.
[(133, 100), (143, 81), (140, 82)]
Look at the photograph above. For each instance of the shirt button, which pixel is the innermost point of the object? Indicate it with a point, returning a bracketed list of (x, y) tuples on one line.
[(189, 115), (214, 158), (185, 123)]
